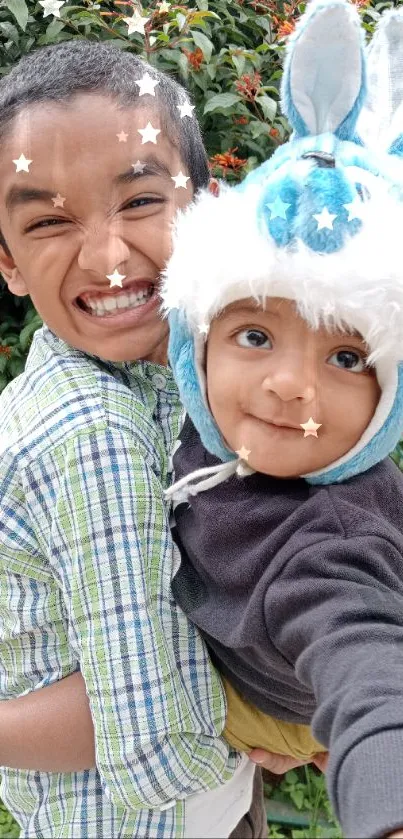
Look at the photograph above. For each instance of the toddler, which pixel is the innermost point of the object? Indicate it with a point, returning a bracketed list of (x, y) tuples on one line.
[(286, 342)]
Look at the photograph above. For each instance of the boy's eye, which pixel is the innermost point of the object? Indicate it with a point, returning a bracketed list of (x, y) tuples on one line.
[(46, 222), (254, 338), (143, 201), (348, 360)]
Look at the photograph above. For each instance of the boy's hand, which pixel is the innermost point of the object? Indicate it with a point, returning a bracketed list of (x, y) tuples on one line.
[(279, 764)]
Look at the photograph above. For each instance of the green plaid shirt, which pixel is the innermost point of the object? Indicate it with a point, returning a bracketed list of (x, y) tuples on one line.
[(86, 562)]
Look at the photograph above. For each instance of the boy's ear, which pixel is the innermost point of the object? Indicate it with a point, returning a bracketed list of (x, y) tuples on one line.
[(214, 187), (11, 274)]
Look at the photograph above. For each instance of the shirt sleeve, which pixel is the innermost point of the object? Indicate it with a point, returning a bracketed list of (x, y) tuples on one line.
[(335, 612), (137, 653)]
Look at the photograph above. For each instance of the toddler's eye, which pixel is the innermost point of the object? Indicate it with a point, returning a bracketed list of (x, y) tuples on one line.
[(348, 360), (253, 338)]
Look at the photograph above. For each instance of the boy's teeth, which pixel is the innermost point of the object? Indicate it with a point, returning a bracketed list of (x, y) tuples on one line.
[(118, 302)]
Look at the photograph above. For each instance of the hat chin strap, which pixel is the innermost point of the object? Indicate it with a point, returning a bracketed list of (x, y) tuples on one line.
[(182, 489)]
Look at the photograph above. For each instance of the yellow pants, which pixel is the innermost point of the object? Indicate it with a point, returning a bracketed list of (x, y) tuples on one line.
[(248, 728)]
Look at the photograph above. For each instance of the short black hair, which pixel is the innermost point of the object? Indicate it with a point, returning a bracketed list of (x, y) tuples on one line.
[(59, 72)]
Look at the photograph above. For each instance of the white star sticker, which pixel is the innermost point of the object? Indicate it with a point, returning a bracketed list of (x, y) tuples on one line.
[(147, 85), (149, 134), (278, 209), (325, 219), (122, 137), (51, 7), (136, 23), (204, 328), (180, 180), (22, 164), (116, 279), (355, 209), (186, 109), (310, 427), (138, 167), (243, 453), (58, 200), (163, 7)]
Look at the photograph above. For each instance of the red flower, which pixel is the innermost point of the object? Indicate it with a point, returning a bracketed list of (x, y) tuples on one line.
[(249, 85), (194, 58), (286, 28), (228, 161), (5, 351), (241, 120)]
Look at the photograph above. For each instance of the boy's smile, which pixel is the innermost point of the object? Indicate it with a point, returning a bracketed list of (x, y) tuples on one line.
[(268, 372), (115, 219)]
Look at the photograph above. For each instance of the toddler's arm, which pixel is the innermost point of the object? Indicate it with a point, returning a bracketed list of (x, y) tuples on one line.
[(49, 730), (335, 612)]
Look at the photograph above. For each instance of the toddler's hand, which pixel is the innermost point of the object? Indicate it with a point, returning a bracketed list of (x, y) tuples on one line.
[(279, 764), (275, 763)]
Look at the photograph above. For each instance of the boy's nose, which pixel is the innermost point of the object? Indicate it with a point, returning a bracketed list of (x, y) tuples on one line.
[(102, 252), (292, 381)]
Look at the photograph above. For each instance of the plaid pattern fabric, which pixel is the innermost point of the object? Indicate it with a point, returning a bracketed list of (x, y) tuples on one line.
[(85, 569)]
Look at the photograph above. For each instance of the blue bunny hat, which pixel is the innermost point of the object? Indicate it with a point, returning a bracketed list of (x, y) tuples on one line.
[(320, 223)]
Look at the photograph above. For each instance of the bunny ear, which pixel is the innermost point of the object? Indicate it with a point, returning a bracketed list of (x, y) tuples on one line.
[(324, 80), (380, 124)]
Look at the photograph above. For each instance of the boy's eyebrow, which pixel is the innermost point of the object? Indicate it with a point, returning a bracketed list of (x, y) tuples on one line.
[(150, 166), (18, 195)]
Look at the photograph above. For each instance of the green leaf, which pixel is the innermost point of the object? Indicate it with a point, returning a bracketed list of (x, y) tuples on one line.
[(203, 43), (10, 31), (55, 26), (181, 20), (239, 63), (3, 382), (297, 796), (211, 70), (16, 366), (3, 362), (27, 333), (19, 9), (220, 102), (258, 128), (268, 106)]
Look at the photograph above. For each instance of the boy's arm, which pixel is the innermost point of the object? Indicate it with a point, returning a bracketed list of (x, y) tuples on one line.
[(335, 612), (156, 704), (49, 730)]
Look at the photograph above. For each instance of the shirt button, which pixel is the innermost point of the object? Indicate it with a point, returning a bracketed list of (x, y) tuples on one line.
[(170, 803), (159, 381)]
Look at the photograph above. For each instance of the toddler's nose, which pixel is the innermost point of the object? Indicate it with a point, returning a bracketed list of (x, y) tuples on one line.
[(292, 379)]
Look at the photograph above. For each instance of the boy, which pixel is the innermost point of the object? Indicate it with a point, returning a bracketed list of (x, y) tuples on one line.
[(286, 339), (92, 170)]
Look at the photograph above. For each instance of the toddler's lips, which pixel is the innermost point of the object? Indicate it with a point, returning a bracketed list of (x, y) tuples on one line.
[(108, 303)]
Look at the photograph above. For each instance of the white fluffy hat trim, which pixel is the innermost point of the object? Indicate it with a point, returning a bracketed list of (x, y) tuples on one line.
[(220, 255)]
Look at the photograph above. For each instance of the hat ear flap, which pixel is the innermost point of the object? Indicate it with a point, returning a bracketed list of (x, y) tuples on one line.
[(182, 357), (380, 124), (324, 75)]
